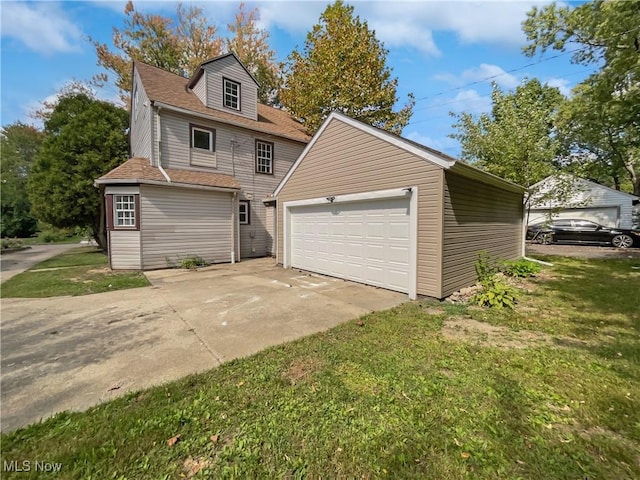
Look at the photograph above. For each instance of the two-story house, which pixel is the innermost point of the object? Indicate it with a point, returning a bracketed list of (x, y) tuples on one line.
[(206, 155)]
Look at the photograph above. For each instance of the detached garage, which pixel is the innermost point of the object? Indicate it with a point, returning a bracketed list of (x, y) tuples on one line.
[(369, 206)]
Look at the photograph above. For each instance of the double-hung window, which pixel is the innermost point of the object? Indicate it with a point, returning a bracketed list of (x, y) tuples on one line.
[(124, 211), (231, 94), (264, 157), (243, 212), (203, 138)]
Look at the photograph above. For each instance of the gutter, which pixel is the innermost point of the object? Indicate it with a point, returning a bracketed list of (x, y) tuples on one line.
[(139, 181)]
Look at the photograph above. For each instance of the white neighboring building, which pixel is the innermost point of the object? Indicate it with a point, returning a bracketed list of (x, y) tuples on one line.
[(589, 201)]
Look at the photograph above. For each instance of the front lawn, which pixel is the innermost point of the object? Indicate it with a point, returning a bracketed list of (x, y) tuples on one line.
[(425, 390), (79, 271)]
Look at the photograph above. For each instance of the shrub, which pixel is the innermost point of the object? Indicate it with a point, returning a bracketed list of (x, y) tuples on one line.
[(485, 267), (521, 268), (8, 243), (493, 293), (496, 295), (192, 262)]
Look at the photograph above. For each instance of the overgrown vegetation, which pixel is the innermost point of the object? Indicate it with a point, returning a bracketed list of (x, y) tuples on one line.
[(11, 243), (521, 268), (494, 291), (79, 271), (391, 396), (193, 261)]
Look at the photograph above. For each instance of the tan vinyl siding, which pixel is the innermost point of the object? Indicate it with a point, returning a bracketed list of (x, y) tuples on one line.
[(229, 68), (347, 160), (140, 122), (124, 249), (477, 217), (270, 233), (200, 88), (239, 162), (180, 222)]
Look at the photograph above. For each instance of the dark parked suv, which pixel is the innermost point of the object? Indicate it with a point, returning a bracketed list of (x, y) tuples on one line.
[(582, 231)]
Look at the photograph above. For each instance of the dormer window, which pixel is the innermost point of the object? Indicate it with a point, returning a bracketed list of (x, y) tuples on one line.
[(231, 94)]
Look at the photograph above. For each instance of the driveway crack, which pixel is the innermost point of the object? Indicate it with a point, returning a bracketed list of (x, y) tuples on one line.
[(191, 329)]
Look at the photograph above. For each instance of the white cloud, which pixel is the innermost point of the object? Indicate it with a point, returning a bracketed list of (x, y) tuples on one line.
[(484, 73), (293, 17), (405, 33), (444, 144), (470, 101), (413, 23), (562, 84), (41, 27), (492, 73)]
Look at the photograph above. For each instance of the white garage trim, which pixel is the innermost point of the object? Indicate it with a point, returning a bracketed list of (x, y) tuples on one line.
[(408, 192)]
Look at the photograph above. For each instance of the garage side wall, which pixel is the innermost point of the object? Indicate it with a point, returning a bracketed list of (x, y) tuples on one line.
[(180, 222), (346, 160), (477, 217)]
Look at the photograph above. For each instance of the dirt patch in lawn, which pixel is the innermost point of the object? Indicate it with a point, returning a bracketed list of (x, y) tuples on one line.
[(470, 330), (301, 368)]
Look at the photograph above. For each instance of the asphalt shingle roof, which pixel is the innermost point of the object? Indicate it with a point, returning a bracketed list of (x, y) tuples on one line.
[(139, 170), (171, 89)]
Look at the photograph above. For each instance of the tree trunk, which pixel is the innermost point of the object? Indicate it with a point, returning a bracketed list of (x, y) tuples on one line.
[(633, 175), (98, 229)]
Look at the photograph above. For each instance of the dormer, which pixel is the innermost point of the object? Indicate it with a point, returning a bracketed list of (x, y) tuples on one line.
[(225, 84)]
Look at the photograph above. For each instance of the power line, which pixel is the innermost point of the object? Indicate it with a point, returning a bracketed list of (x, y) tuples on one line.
[(438, 105), (532, 64), (483, 80)]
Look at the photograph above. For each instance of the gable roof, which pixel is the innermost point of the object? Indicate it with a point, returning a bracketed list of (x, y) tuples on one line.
[(428, 154), (587, 183), (200, 70), (170, 90), (139, 170)]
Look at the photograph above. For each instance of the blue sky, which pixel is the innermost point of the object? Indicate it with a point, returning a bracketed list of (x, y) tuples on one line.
[(442, 51)]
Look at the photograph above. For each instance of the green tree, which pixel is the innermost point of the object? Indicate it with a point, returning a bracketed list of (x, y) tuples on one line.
[(85, 138), (251, 45), (605, 34), (20, 144), (155, 40), (602, 144), (343, 68), (516, 140)]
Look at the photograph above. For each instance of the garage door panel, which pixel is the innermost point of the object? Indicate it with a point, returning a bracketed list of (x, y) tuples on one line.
[(366, 241), (398, 255), (375, 253)]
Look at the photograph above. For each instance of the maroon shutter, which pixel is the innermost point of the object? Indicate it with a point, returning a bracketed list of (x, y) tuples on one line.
[(137, 213), (109, 211)]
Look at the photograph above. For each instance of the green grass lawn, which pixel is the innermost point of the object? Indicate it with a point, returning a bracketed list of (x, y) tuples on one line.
[(79, 271), (399, 394)]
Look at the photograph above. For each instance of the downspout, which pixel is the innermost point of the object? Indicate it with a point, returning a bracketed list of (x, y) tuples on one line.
[(233, 227), (237, 225), (159, 140)]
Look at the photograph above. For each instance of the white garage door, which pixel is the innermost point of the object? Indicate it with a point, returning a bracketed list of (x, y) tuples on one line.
[(607, 216), (366, 241)]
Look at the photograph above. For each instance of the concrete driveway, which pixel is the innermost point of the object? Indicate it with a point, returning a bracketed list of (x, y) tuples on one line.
[(69, 353)]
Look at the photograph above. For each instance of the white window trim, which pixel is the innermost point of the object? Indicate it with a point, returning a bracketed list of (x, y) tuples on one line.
[(209, 132), (224, 94), (116, 210), (247, 214), (271, 164)]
